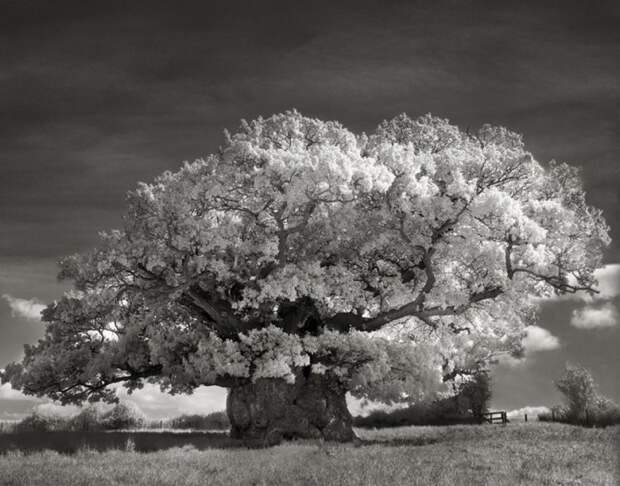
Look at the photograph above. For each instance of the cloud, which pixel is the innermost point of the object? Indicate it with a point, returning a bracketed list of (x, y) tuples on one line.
[(159, 405), (8, 393), (599, 311), (26, 308), (590, 317), (539, 339), (531, 411), (363, 407), (12, 416), (608, 281), (536, 339), (50, 409), (156, 405)]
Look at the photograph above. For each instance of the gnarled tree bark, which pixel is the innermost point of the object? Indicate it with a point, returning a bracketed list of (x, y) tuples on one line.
[(270, 410)]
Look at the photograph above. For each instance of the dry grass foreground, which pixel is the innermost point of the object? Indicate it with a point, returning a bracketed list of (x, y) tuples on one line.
[(527, 454)]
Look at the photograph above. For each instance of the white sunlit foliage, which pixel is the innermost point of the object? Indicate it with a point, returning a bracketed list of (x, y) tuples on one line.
[(392, 261)]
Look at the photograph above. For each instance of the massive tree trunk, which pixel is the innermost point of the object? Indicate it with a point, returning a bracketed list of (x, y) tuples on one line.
[(269, 410)]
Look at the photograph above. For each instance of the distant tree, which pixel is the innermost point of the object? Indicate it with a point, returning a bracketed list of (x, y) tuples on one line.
[(302, 261), (87, 420), (123, 416), (477, 393), (584, 403), (604, 412), (37, 422), (579, 390)]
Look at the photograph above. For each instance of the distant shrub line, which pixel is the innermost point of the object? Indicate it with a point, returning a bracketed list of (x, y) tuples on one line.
[(596, 417), (466, 407), (121, 417), (426, 414)]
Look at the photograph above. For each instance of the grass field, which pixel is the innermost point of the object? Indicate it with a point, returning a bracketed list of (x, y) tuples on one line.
[(523, 454)]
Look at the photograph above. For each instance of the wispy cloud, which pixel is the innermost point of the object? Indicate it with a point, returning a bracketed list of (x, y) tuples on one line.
[(592, 317), (531, 411), (27, 308)]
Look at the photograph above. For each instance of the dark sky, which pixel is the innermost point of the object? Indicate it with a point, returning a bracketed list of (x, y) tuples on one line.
[(95, 96)]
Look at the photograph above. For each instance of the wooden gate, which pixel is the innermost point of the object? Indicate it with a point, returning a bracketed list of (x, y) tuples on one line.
[(495, 417)]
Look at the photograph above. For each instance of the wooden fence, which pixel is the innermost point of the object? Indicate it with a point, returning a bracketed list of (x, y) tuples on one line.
[(495, 417)]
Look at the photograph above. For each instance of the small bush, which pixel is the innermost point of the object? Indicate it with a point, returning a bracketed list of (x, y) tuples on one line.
[(38, 423), (557, 413), (42, 422)]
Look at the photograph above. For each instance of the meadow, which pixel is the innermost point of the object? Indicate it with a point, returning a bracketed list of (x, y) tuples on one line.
[(516, 454)]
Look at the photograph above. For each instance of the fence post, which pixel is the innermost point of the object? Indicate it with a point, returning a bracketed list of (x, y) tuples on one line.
[(552, 415), (525, 417)]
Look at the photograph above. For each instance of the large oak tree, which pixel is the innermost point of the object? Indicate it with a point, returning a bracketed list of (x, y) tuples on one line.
[(302, 262)]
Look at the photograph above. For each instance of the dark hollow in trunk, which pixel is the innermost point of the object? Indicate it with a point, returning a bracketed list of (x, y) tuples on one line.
[(269, 410)]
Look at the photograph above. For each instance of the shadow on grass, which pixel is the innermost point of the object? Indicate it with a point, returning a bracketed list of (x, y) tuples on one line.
[(402, 441), (72, 442), (144, 441)]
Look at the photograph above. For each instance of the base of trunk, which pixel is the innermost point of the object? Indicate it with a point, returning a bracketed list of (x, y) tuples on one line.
[(269, 410)]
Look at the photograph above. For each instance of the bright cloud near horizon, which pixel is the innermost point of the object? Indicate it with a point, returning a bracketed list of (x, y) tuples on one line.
[(532, 412), (26, 308), (7, 392)]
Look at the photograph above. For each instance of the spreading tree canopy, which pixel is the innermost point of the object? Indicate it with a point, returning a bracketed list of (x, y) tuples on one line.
[(391, 262)]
